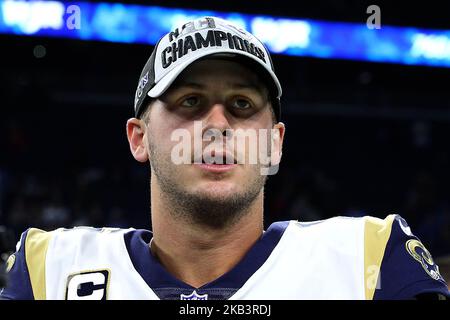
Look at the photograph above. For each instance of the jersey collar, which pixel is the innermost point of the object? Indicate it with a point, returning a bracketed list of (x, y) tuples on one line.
[(167, 286)]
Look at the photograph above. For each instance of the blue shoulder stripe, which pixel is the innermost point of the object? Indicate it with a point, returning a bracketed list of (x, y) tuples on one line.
[(408, 268), (18, 285)]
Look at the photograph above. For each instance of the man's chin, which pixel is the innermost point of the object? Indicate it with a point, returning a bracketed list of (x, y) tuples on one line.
[(217, 205), (212, 203), (217, 190)]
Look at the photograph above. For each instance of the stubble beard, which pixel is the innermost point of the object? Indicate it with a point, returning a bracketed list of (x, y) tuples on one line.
[(215, 212)]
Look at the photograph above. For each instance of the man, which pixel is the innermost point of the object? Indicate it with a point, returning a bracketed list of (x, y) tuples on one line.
[(208, 85)]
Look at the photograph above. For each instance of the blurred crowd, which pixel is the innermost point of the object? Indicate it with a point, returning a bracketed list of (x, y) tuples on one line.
[(388, 168)]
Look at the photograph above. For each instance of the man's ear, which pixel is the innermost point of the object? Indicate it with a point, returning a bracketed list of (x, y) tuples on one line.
[(277, 141), (276, 147), (136, 139)]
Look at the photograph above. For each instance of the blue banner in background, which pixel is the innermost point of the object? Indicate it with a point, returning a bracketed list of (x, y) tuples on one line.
[(298, 37)]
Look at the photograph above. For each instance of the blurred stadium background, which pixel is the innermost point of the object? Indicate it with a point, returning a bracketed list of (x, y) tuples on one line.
[(367, 132)]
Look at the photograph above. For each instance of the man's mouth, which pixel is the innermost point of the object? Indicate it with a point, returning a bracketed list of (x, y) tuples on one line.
[(216, 168), (221, 159), (219, 163)]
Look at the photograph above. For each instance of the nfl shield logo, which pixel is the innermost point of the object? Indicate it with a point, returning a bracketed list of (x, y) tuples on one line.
[(194, 296)]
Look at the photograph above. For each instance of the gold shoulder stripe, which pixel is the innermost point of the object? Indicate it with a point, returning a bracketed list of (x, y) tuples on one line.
[(10, 262), (36, 245), (376, 236)]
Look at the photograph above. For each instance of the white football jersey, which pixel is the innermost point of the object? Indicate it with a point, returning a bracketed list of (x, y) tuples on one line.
[(337, 258)]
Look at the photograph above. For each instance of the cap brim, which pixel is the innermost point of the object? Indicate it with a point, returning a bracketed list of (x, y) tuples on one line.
[(169, 78)]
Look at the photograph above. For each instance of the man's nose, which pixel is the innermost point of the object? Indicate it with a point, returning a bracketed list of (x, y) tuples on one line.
[(217, 118)]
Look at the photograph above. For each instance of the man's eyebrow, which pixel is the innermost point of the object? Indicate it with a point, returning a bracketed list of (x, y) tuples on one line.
[(197, 85), (252, 86), (184, 84)]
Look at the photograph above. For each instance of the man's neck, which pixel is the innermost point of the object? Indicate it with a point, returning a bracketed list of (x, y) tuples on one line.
[(196, 254)]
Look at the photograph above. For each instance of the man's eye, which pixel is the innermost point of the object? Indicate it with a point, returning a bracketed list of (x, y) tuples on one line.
[(190, 102), (241, 104)]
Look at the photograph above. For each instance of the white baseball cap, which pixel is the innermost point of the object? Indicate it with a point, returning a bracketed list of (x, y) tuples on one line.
[(200, 38)]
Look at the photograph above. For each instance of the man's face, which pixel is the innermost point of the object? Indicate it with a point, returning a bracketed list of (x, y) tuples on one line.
[(210, 94)]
